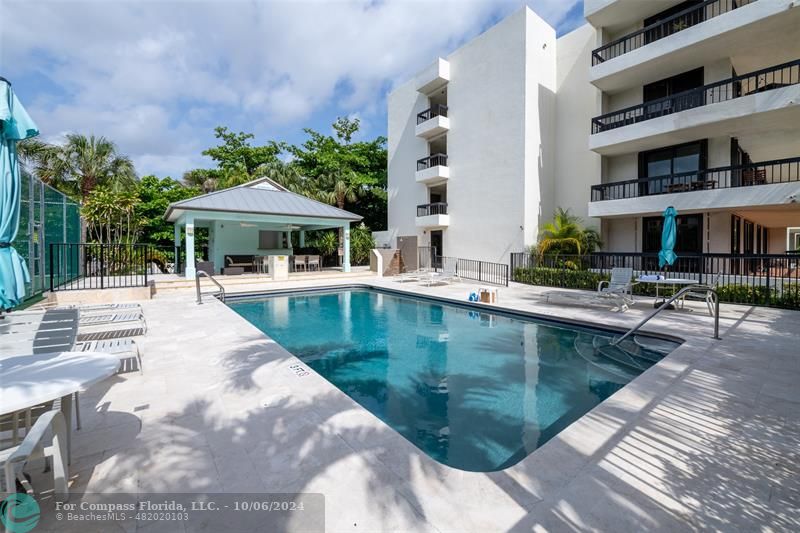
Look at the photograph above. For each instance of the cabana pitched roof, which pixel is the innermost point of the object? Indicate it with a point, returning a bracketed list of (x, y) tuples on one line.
[(260, 197)]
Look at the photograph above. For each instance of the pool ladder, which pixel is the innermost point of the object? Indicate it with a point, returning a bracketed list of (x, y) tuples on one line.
[(676, 296), (220, 294)]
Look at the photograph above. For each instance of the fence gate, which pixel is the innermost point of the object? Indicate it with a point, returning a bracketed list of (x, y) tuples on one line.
[(408, 252)]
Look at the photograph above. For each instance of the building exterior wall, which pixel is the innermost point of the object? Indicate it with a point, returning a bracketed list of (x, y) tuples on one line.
[(577, 101), (507, 140), (520, 105), (486, 143)]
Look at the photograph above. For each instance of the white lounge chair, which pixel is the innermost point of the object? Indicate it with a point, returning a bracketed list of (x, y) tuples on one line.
[(621, 284), (91, 308), (413, 275), (618, 291), (126, 349), (448, 274)]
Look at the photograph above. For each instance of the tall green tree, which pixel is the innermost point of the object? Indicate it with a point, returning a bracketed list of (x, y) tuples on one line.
[(154, 195), (360, 166), (236, 155)]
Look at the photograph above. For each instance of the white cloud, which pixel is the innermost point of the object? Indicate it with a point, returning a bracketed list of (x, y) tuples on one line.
[(155, 77)]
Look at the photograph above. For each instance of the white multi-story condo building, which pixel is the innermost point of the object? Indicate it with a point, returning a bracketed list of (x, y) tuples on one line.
[(652, 103)]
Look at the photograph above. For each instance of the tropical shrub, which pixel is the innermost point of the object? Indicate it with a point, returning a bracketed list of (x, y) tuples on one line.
[(361, 244), (565, 234), (559, 277), (327, 243)]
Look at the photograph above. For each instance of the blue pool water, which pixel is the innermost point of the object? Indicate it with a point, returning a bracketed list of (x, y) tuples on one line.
[(476, 391)]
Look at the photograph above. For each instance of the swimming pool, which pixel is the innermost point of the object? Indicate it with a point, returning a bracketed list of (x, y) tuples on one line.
[(474, 390)]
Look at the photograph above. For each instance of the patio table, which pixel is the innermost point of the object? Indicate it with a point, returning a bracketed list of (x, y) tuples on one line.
[(674, 282), (30, 380)]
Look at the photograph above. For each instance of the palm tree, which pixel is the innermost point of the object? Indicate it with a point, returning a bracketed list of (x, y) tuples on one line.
[(287, 176), (566, 234), (335, 189), (80, 165), (202, 178)]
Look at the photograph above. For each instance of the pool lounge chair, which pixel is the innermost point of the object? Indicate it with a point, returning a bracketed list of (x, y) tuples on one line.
[(93, 308), (413, 275), (448, 274), (124, 317), (618, 292), (621, 284), (125, 349)]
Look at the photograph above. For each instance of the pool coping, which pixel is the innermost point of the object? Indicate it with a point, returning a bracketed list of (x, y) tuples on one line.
[(478, 306)]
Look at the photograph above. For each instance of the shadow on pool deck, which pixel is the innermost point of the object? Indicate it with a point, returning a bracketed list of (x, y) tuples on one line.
[(718, 449)]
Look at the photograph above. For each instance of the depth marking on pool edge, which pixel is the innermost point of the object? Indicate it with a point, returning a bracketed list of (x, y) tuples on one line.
[(299, 370)]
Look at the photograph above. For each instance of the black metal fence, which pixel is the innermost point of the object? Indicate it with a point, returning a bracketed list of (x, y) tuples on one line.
[(79, 266), (438, 110), (771, 280), (432, 161), (754, 82), (665, 27), (436, 208), (472, 269), (766, 172)]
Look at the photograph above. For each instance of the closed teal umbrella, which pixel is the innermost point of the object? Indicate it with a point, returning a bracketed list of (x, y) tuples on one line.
[(15, 125), (668, 237)]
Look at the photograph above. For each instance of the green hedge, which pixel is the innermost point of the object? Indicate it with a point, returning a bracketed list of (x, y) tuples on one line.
[(583, 279), (559, 277)]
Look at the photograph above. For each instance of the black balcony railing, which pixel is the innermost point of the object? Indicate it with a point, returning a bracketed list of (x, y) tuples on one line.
[(666, 27), (438, 110), (432, 161), (721, 91), (437, 208), (764, 173)]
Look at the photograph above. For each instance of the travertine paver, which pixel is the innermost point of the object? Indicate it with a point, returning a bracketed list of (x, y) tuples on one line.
[(706, 439)]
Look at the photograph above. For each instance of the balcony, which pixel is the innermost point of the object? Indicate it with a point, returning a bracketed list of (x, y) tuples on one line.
[(747, 102), (433, 215), (434, 77), (700, 35), (665, 27), (432, 122), (768, 183), (433, 169)]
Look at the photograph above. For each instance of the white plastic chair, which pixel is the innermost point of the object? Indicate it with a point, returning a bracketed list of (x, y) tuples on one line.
[(14, 458)]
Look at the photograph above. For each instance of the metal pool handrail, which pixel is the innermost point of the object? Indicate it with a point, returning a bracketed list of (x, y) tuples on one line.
[(209, 276), (690, 288)]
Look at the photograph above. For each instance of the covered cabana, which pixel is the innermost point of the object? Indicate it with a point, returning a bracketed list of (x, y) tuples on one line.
[(254, 219)]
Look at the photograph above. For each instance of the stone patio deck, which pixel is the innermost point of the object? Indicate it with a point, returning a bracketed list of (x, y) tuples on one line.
[(706, 439)]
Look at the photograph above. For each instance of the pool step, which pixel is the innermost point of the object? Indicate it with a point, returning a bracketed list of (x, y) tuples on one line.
[(584, 345), (652, 344), (627, 352)]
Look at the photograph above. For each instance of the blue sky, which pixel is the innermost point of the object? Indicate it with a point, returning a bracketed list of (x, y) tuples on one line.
[(156, 77)]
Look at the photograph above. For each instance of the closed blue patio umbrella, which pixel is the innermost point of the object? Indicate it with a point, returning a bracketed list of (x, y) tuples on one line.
[(668, 237), (15, 125)]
